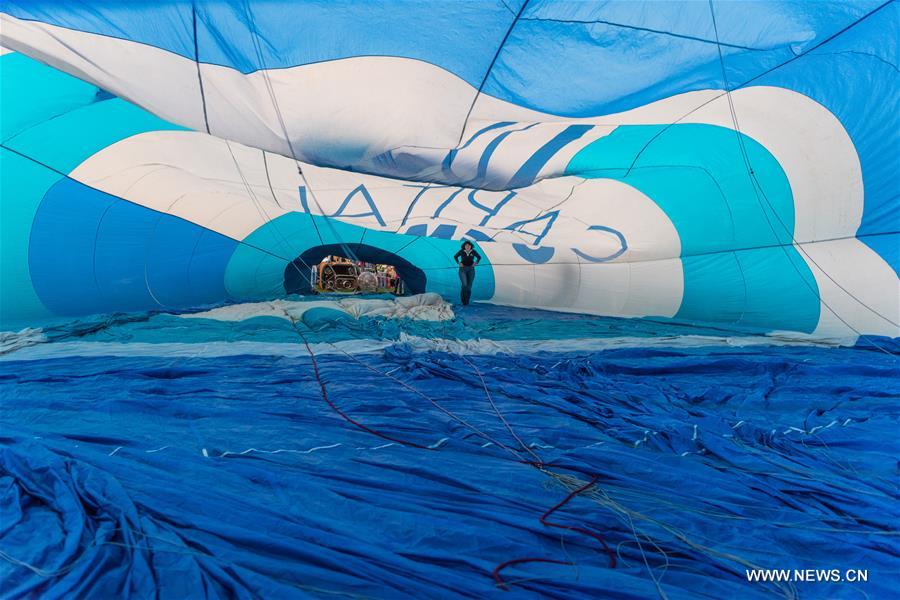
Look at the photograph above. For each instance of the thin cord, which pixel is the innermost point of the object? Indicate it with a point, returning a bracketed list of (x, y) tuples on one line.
[(758, 186), (270, 89), (498, 413), (487, 73), (324, 392), (197, 60), (259, 207), (432, 401), (755, 77)]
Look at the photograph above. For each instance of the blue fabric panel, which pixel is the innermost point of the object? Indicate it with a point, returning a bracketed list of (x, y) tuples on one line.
[(23, 184), (887, 246), (460, 37), (185, 264), (764, 288), (209, 261), (713, 288), (750, 24), (91, 253), (166, 25), (321, 318), (614, 56), (33, 93), (855, 77), (61, 250), (64, 142), (782, 292), (121, 256), (206, 477)]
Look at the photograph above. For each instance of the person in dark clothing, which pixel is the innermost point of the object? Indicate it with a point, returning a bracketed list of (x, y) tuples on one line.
[(466, 259)]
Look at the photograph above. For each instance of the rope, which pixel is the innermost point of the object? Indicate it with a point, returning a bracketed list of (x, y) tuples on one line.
[(544, 519), (518, 561), (324, 392), (499, 414), (540, 465)]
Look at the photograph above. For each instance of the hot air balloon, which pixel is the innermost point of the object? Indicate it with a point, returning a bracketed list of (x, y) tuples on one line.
[(686, 217)]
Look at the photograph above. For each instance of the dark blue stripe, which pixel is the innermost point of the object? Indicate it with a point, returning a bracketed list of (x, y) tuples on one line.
[(528, 171), (448, 160), (486, 156)]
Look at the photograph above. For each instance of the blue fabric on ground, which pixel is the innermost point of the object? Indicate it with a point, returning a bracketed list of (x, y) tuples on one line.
[(165, 477), (476, 321)]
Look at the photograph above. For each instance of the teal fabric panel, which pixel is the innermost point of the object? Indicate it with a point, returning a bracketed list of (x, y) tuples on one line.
[(697, 175)]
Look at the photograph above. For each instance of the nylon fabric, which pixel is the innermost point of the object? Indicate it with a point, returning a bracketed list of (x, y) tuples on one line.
[(776, 457)]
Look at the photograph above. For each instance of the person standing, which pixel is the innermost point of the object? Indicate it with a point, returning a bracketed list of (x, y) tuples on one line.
[(466, 259)]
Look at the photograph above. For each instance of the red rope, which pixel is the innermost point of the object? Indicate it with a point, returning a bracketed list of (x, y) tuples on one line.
[(539, 464), (518, 561), (546, 522), (344, 415), (593, 534)]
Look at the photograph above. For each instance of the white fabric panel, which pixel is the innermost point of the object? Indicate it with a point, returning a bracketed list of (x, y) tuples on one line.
[(190, 175), (655, 287), (406, 102), (167, 86), (330, 187), (419, 307), (514, 150), (605, 286), (465, 164), (193, 176), (650, 288), (812, 147), (649, 233), (863, 274)]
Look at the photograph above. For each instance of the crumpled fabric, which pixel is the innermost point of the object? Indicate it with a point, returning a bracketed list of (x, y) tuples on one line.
[(230, 476)]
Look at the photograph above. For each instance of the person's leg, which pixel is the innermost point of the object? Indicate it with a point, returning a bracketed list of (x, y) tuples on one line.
[(463, 279), (468, 278)]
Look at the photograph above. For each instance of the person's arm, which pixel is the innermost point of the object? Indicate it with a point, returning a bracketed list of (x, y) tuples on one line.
[(476, 256), (457, 256)]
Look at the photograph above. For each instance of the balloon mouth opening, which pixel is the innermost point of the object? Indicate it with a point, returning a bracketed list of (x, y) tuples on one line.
[(299, 276)]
